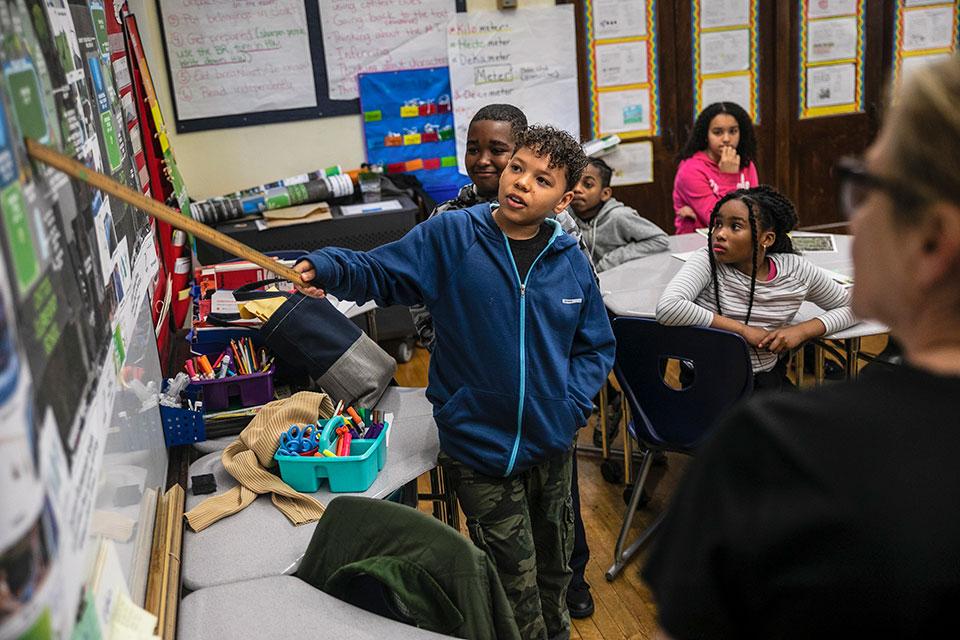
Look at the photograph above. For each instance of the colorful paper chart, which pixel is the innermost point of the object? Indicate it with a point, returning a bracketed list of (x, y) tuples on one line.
[(726, 55), (622, 75), (924, 33), (831, 61), (408, 126)]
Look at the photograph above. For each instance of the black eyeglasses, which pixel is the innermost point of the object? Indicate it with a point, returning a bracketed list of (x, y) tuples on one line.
[(856, 182)]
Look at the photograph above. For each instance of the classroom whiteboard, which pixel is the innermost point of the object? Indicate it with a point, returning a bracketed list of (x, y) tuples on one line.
[(228, 57), (526, 58)]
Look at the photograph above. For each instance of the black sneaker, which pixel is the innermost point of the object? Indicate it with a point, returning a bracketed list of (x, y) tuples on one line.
[(580, 603)]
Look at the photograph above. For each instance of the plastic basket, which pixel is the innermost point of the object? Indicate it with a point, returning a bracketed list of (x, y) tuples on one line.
[(345, 474), (182, 426), (249, 390)]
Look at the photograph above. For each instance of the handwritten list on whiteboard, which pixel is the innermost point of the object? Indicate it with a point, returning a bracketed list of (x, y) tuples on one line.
[(367, 36), (522, 57), (229, 57)]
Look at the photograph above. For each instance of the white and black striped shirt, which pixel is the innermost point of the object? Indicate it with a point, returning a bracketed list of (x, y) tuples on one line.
[(689, 299)]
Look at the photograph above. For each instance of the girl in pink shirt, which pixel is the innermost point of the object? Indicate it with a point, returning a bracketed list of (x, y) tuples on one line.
[(717, 159)]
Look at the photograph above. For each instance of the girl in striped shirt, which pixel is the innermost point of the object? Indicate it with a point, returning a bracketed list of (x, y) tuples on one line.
[(749, 280)]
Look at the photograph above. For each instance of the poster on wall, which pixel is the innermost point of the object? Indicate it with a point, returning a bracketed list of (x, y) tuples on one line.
[(924, 32), (408, 126), (622, 68), (832, 41), (521, 57), (725, 54), (386, 35), (230, 58), (70, 260)]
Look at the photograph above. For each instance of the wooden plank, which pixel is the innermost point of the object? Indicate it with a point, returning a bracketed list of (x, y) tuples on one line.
[(176, 498)]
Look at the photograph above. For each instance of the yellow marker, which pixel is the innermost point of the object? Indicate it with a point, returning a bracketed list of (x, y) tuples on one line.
[(329, 454)]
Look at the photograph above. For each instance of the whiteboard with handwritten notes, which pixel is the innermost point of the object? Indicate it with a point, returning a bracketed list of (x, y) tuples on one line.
[(524, 57), (228, 57)]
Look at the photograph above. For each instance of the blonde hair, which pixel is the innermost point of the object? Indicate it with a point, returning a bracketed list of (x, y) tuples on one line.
[(925, 141)]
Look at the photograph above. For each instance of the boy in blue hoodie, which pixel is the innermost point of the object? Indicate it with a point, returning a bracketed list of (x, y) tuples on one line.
[(523, 345)]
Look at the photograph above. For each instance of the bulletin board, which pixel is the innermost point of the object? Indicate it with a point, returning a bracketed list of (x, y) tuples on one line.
[(408, 126), (924, 32), (725, 54), (832, 41), (624, 94), (79, 451), (235, 65), (246, 63)]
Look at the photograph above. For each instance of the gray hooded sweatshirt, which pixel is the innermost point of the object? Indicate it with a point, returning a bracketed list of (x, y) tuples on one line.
[(618, 234)]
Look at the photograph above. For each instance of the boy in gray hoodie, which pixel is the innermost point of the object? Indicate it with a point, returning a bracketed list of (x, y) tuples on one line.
[(612, 232)]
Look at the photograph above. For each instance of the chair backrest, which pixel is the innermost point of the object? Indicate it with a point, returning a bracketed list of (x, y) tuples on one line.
[(677, 419)]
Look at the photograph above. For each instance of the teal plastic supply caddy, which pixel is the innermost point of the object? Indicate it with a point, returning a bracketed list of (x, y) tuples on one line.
[(346, 474)]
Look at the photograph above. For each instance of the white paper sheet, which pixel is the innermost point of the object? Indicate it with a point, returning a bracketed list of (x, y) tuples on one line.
[(735, 89), (520, 57), (928, 28), (619, 18), (621, 63), (912, 63), (230, 58), (724, 51), (622, 111), (832, 39), (385, 35), (831, 85), (631, 164), (831, 8), (724, 13)]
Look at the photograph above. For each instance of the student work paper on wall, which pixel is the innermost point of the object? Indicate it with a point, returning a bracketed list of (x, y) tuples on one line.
[(523, 58), (925, 31), (228, 58), (725, 60), (387, 35), (831, 57), (631, 164)]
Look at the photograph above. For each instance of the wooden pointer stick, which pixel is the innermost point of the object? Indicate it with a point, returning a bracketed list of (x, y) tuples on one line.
[(159, 211)]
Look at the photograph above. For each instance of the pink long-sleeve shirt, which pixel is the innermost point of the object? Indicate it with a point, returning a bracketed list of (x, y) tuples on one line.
[(700, 184)]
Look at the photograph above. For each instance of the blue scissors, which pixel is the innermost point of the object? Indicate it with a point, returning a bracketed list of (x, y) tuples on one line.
[(297, 441)]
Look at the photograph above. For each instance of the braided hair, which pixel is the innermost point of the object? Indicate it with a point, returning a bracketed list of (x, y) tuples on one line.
[(768, 210), (746, 148)]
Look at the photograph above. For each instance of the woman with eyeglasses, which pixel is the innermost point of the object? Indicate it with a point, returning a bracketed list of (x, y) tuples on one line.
[(834, 512)]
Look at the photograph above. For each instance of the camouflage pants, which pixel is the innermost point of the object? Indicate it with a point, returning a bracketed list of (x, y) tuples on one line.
[(525, 525)]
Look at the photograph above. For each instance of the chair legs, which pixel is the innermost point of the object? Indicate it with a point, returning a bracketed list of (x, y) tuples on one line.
[(622, 556)]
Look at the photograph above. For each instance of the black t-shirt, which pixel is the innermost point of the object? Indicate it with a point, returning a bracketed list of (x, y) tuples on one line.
[(526, 251), (829, 513)]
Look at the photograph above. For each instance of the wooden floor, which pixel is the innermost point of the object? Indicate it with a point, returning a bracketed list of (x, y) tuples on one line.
[(624, 607)]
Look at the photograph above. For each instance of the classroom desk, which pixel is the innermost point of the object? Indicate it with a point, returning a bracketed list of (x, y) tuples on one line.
[(634, 288), (260, 542), (283, 607)]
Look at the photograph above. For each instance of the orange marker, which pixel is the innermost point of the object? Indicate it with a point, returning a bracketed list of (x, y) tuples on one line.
[(356, 418)]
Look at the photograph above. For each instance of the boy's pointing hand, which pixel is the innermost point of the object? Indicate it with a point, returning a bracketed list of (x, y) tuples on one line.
[(308, 273)]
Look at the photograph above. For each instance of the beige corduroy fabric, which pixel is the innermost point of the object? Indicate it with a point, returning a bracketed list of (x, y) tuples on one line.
[(250, 456)]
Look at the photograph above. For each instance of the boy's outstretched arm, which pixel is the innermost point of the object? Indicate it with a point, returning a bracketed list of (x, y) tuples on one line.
[(394, 273), (591, 357)]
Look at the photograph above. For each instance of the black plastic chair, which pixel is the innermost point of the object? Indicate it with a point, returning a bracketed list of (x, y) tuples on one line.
[(667, 419)]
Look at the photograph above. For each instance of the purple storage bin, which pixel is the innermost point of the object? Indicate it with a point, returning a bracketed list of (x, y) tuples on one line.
[(251, 390)]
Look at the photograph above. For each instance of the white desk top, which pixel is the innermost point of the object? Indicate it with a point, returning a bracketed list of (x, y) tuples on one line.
[(283, 607), (634, 288), (259, 541)]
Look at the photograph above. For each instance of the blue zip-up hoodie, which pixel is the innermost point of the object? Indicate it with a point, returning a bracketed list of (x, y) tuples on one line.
[(516, 364)]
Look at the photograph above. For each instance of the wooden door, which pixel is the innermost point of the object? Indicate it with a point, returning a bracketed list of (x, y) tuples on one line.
[(654, 200), (807, 149)]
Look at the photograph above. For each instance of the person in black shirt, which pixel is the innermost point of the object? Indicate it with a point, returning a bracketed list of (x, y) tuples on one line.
[(834, 513)]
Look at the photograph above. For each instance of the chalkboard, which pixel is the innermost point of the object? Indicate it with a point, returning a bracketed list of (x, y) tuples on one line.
[(236, 63)]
